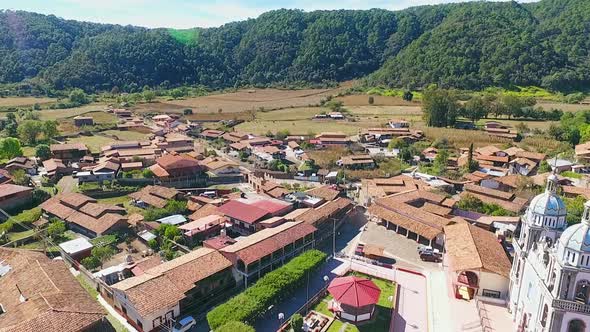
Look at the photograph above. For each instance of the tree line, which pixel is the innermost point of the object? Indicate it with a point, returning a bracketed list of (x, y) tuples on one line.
[(467, 46)]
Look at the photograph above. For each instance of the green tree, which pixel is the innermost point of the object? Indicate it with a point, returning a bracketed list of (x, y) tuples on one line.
[(439, 108), (147, 173), (56, 229), (103, 254), (90, 262), (475, 109), (441, 160), (235, 327), (148, 95), (50, 129), (79, 97), (297, 322), (408, 95), (29, 131), (177, 93), (10, 148), (43, 152), (20, 177)]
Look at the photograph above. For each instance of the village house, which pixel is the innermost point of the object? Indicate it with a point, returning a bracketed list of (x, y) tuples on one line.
[(372, 189), (55, 169), (84, 215), (506, 200), (262, 252), (234, 137), (176, 167), (122, 113), (330, 139), (357, 162), (212, 134), (13, 196), (68, 151), (478, 262), (80, 121), (583, 153), (326, 216), (523, 166), (165, 292), (203, 228), (174, 142), (220, 167), (154, 196), (105, 171), (132, 151), (24, 163), (243, 217), (40, 294), (497, 129)]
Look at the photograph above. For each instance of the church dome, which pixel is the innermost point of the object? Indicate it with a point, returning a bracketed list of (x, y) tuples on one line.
[(548, 204), (576, 237)]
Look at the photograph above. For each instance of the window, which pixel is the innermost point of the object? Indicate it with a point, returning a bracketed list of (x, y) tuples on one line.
[(139, 324), (157, 321), (576, 325), (544, 315), (491, 293)]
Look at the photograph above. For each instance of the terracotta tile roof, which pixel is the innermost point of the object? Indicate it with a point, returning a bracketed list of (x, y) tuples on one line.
[(97, 209), (525, 162), (510, 180), (273, 206), (212, 133), (214, 164), (512, 151), (55, 300), (424, 230), (8, 189), (159, 171), (170, 162), (376, 188), (531, 155), (505, 200), (205, 210), (266, 241), (68, 146), (472, 248), (75, 200), (487, 150), (277, 192), (488, 192), (437, 209), (492, 158), (243, 212), (325, 211), (325, 192), (165, 284), (574, 191)]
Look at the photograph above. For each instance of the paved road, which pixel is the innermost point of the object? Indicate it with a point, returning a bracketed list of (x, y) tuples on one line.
[(67, 184)]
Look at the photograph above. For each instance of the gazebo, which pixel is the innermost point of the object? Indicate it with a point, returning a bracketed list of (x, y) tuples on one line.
[(354, 298)]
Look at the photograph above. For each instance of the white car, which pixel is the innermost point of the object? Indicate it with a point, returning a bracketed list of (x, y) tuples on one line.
[(184, 324)]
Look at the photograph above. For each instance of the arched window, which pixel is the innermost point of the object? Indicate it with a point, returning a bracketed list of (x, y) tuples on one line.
[(544, 315), (582, 291), (576, 325)]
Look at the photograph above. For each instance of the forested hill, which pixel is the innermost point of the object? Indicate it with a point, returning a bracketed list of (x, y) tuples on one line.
[(468, 45)]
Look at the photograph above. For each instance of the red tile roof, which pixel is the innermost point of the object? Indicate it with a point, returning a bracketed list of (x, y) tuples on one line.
[(354, 291), (243, 212)]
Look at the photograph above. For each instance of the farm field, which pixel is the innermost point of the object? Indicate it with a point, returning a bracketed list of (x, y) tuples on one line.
[(24, 101), (94, 143), (363, 100), (242, 100), (547, 105), (101, 117), (70, 112), (125, 135), (299, 120)]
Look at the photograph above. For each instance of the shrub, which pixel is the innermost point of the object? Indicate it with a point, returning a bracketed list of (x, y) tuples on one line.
[(235, 327), (268, 290), (90, 262), (297, 322)]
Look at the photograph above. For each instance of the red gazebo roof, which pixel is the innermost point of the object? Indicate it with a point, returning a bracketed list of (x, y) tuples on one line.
[(354, 291)]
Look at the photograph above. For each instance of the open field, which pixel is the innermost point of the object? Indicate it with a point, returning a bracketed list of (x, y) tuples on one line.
[(547, 105), (126, 135), (299, 120), (24, 101), (70, 112), (101, 117), (363, 100), (543, 125), (94, 143), (241, 101)]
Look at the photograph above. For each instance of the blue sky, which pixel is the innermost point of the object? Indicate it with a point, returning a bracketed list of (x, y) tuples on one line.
[(187, 14)]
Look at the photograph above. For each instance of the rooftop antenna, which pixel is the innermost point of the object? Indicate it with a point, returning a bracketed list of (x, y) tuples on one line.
[(21, 298)]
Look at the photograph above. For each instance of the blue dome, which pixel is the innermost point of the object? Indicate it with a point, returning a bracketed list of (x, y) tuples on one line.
[(548, 204), (576, 237)]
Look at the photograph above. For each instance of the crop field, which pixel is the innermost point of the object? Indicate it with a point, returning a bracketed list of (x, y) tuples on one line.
[(299, 120), (70, 112), (101, 117), (24, 101), (125, 135), (94, 143), (242, 100)]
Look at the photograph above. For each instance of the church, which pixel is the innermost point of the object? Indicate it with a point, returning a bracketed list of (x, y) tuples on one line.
[(550, 276)]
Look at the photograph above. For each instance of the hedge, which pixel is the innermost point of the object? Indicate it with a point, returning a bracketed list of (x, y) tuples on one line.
[(269, 290), (235, 327)]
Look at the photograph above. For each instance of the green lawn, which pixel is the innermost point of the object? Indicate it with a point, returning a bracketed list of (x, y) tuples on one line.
[(15, 236), (101, 117), (125, 200), (384, 306), (126, 135), (29, 151), (94, 143)]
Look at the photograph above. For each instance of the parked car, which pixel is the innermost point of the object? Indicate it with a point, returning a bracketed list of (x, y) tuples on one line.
[(424, 249), (430, 257), (184, 324)]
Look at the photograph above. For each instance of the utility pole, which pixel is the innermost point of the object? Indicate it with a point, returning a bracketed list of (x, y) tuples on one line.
[(334, 238)]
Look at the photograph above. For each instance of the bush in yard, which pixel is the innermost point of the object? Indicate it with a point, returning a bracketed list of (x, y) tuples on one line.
[(296, 322), (269, 290), (235, 327), (90, 262)]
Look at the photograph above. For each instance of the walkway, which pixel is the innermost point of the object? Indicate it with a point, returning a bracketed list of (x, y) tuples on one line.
[(115, 314)]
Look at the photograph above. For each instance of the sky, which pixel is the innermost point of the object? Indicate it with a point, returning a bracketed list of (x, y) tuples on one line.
[(189, 14)]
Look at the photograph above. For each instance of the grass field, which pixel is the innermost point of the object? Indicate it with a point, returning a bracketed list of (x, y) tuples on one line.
[(101, 117), (94, 143), (69, 112), (126, 135), (299, 120), (363, 100), (24, 101)]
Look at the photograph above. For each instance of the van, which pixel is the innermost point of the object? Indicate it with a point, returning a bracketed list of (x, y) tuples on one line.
[(184, 324)]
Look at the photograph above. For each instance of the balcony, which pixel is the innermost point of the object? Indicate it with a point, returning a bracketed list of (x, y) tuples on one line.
[(571, 306)]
